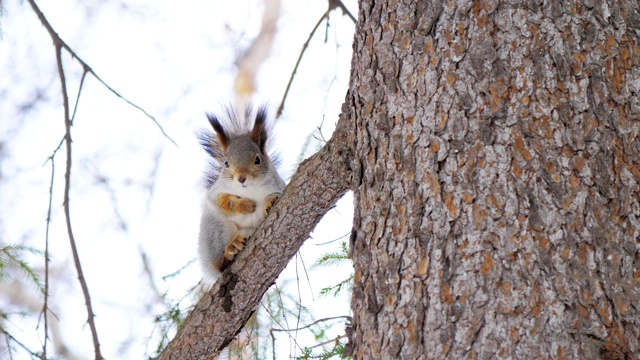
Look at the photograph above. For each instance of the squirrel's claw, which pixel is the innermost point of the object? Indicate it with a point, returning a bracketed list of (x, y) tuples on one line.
[(235, 246), (271, 200)]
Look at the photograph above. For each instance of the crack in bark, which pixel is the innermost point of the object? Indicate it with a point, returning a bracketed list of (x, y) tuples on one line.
[(229, 282)]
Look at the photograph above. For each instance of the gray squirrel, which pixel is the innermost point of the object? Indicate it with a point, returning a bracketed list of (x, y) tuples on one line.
[(243, 185)]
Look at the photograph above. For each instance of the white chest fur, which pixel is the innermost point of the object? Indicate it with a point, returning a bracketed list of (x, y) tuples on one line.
[(246, 223)]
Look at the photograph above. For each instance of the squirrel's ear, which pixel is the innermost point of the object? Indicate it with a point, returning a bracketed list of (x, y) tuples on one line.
[(222, 135), (259, 132)]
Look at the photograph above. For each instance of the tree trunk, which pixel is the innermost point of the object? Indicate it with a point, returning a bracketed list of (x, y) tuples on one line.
[(496, 180)]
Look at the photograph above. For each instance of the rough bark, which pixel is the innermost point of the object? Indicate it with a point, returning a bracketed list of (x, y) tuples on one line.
[(496, 180), (319, 182)]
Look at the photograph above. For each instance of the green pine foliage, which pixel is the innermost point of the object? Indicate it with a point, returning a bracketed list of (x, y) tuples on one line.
[(336, 352), (13, 257), (334, 259), (13, 260)]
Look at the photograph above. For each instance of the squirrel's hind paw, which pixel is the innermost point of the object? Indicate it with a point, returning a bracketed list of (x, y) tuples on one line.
[(235, 246)]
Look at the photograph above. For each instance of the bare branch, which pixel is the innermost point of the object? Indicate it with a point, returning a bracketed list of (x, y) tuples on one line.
[(57, 40), (59, 45), (295, 68), (291, 338), (306, 274), (334, 340), (67, 187), (9, 337), (51, 158), (338, 4), (333, 4), (314, 323), (45, 307), (75, 106)]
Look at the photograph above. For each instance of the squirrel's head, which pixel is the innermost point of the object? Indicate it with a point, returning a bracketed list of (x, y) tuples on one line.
[(245, 158)]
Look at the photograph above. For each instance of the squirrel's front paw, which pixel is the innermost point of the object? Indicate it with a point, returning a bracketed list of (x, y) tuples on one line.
[(235, 246), (235, 204), (271, 200)]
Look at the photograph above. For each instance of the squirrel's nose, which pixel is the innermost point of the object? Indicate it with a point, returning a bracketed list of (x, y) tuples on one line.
[(242, 179)]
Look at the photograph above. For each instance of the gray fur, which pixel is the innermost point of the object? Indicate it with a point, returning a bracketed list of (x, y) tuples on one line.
[(217, 227)]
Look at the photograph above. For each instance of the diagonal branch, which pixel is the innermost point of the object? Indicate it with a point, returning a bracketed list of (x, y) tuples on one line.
[(333, 4), (57, 40), (318, 184), (314, 323), (338, 4), (295, 68)]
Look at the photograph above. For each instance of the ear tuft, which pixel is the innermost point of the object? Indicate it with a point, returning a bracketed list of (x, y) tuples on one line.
[(223, 137), (259, 132)]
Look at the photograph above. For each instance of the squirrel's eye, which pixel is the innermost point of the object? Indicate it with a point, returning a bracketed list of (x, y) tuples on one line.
[(258, 160), (226, 164)]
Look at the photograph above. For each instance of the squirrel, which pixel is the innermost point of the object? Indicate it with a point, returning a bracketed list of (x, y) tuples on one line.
[(243, 185)]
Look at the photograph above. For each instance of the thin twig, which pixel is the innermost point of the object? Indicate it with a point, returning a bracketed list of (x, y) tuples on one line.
[(295, 68), (273, 345), (333, 4), (23, 346), (51, 158), (45, 307), (291, 338), (299, 295), (59, 45), (146, 267), (59, 42), (284, 314), (314, 323), (334, 240), (75, 106), (67, 187), (6, 340), (306, 273), (329, 341)]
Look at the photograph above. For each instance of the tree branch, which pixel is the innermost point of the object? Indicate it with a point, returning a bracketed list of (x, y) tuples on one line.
[(333, 4), (338, 4), (313, 323), (67, 213), (59, 44), (295, 68), (318, 184), (45, 307), (57, 40)]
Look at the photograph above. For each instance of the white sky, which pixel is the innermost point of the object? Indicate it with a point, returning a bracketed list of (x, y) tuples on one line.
[(176, 61)]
